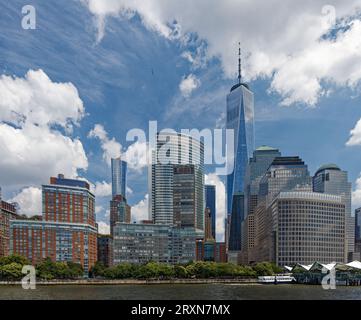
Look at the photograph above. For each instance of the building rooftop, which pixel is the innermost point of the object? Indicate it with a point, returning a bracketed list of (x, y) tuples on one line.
[(328, 166), (279, 161), (238, 85), (266, 148)]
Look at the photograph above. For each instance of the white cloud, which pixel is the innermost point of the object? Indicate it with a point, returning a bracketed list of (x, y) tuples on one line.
[(101, 189), (34, 149), (111, 148), (103, 228), (29, 201), (282, 44), (188, 85), (136, 155), (140, 210), (213, 179), (355, 133), (37, 100), (356, 194)]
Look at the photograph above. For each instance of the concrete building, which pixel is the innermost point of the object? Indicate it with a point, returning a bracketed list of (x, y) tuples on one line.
[(330, 179), (307, 227)]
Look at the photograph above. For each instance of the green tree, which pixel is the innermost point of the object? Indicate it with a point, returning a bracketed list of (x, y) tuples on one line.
[(11, 271)]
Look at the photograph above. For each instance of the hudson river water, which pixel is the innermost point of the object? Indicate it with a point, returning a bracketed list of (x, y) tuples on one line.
[(180, 291)]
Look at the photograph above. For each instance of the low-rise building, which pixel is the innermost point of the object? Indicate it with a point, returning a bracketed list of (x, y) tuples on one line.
[(141, 243)]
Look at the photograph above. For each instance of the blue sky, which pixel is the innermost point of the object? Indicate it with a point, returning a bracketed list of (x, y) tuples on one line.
[(130, 72)]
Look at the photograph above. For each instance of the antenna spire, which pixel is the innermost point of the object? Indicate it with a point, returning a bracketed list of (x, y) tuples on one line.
[(239, 64)]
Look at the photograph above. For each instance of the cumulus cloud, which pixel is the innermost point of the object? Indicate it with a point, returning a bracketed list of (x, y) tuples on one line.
[(29, 201), (188, 85), (136, 155), (111, 148), (140, 210), (101, 189), (288, 45), (36, 99), (30, 109), (214, 179), (103, 228), (355, 133)]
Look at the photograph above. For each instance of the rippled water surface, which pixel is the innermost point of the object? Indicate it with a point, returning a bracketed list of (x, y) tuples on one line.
[(180, 291)]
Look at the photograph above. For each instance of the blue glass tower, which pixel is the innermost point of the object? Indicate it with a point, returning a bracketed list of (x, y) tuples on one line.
[(119, 177), (240, 118), (210, 196)]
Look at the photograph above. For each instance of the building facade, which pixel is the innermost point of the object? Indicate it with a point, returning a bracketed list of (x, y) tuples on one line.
[(284, 174), (105, 249), (177, 181), (7, 212), (120, 211), (210, 198), (330, 179), (67, 231), (239, 118), (141, 243), (119, 177), (307, 227)]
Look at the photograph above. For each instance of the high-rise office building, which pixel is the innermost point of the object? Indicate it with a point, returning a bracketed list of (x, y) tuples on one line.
[(177, 181), (237, 218), (67, 231), (7, 212), (358, 224), (284, 174), (307, 227), (330, 179), (210, 198), (119, 177), (208, 225), (240, 118), (258, 165), (120, 211), (357, 252)]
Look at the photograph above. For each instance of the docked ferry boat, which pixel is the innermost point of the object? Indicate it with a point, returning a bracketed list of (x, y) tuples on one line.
[(278, 279)]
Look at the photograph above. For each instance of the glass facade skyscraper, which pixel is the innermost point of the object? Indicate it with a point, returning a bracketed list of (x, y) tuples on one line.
[(119, 177), (177, 181), (240, 118), (210, 197), (262, 158)]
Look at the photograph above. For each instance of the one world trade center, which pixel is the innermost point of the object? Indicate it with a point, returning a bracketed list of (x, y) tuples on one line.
[(240, 118)]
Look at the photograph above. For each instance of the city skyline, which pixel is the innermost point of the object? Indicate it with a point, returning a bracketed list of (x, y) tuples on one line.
[(166, 78)]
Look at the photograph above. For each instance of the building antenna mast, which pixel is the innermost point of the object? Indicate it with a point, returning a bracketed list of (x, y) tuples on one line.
[(239, 64)]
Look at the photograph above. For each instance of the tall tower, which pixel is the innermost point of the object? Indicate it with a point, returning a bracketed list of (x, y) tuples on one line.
[(240, 118), (210, 198), (119, 177), (177, 181)]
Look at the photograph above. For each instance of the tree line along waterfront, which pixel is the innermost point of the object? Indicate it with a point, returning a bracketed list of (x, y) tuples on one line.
[(11, 270)]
